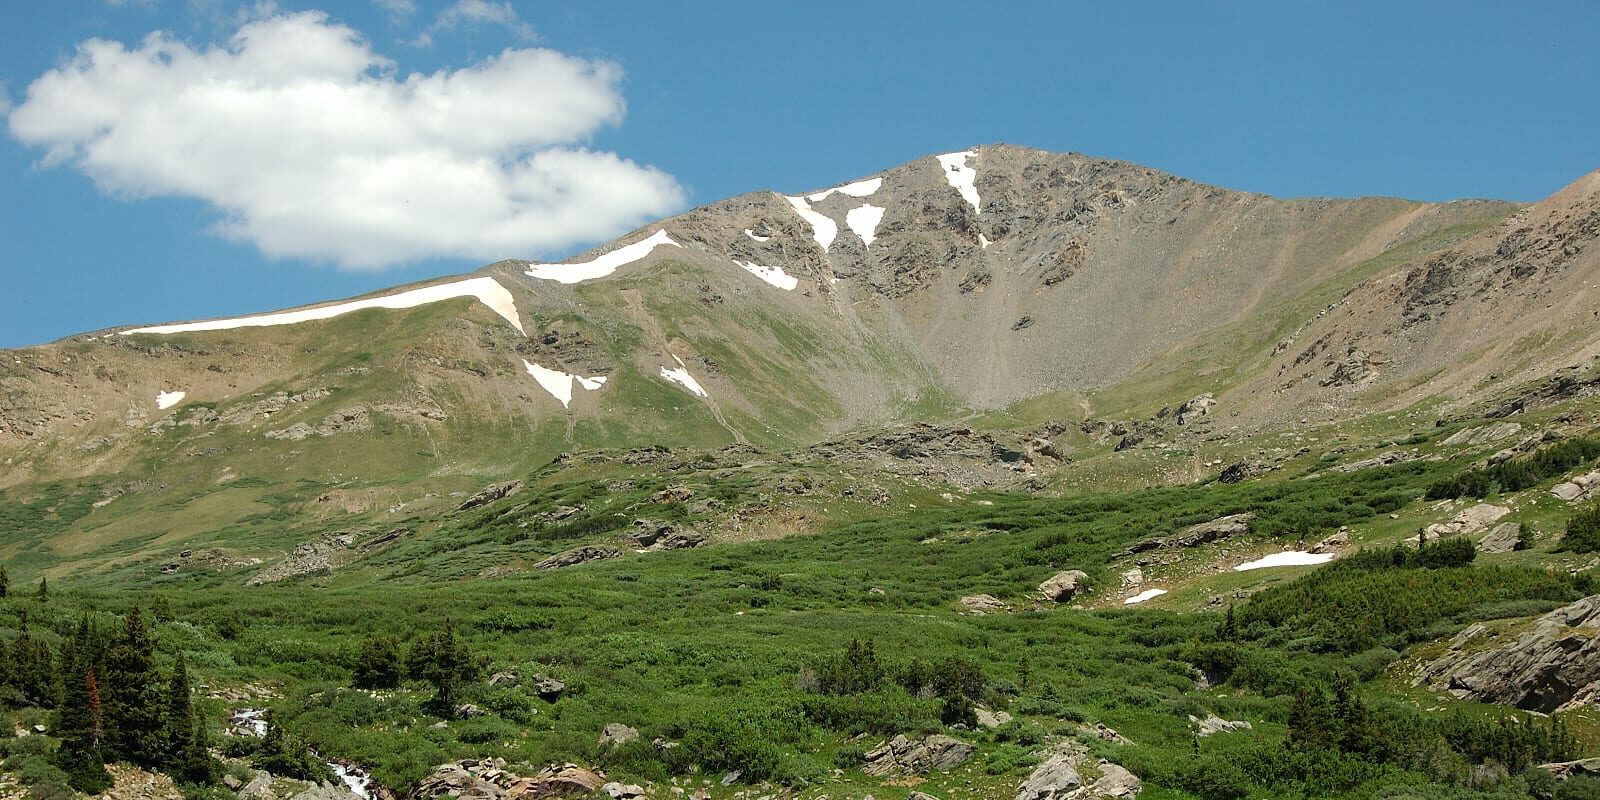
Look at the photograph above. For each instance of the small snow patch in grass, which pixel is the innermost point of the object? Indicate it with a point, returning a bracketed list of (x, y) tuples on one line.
[(983, 241), (1143, 596), (864, 221), (601, 265), (773, 275), (961, 176), (823, 229), (166, 400), (682, 377), (752, 234), (487, 290), (1288, 558), (558, 383)]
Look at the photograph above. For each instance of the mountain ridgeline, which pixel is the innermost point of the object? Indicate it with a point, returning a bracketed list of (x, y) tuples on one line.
[(1001, 285)]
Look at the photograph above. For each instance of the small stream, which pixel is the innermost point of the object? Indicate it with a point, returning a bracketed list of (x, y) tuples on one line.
[(253, 722)]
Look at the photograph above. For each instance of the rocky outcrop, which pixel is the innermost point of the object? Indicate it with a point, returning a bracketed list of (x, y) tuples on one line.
[(902, 756), (1503, 538), (1192, 536), (1061, 777), (1056, 778), (992, 719), (979, 604), (1195, 408), (1213, 724), (1470, 520), (308, 558), (1482, 435), (1582, 487), (616, 733), (488, 779), (1552, 665), (1586, 767), (1065, 585), (578, 555), (491, 493), (654, 534)]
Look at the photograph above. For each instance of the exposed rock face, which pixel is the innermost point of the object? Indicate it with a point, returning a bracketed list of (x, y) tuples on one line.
[(1114, 781), (1215, 724), (1195, 408), (1207, 532), (904, 756), (1471, 520), (488, 779), (491, 493), (1064, 585), (1501, 539), (1483, 435), (578, 555), (1552, 665), (980, 604), (308, 558), (654, 534), (1055, 779)]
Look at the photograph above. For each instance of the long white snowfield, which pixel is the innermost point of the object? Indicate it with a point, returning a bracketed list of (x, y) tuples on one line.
[(601, 265), (1288, 558), (773, 275), (961, 176), (487, 290), (864, 221), (823, 229)]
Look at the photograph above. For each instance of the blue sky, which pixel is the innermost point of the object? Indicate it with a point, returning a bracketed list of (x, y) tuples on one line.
[(342, 147)]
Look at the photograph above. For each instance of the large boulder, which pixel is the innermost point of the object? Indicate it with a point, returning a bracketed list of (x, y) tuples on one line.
[(578, 555), (1064, 585), (1215, 724), (616, 733), (1114, 781), (1055, 779), (1552, 665), (980, 604), (902, 756), (1502, 538)]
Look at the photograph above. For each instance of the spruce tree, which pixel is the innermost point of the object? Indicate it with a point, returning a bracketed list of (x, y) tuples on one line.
[(377, 664), (44, 589), (186, 754), (5, 581), (80, 725), (135, 712), (444, 661)]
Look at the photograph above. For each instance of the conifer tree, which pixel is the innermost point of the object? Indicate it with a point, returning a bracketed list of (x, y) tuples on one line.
[(135, 712), (445, 661), (186, 752), (378, 664), (5, 581), (44, 590)]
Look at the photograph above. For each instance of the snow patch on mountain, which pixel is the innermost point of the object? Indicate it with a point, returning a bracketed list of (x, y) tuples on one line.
[(823, 229), (601, 265), (166, 400), (1143, 596), (558, 383), (682, 377), (1288, 558), (752, 234), (864, 221), (866, 188), (773, 275), (487, 290), (960, 176)]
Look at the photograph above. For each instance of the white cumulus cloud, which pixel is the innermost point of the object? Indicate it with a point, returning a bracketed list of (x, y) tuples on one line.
[(314, 147)]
